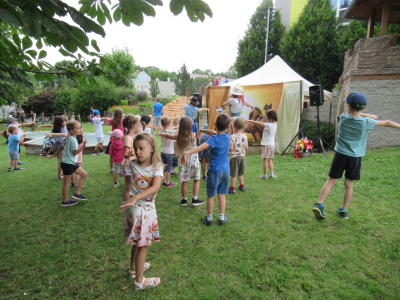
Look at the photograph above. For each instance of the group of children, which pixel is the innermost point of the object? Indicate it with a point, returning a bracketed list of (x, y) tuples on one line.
[(135, 152)]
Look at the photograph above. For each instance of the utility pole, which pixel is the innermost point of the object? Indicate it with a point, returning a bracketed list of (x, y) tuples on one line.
[(266, 46)]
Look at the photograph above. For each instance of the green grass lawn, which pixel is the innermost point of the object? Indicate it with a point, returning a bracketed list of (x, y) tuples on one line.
[(271, 248)]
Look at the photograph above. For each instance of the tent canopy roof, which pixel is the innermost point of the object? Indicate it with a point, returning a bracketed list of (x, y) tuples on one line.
[(275, 70)]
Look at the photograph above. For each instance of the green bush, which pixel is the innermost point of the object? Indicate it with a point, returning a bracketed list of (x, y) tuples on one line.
[(124, 102), (63, 99), (42, 102), (125, 109), (165, 100), (148, 104), (124, 93), (101, 98), (141, 96), (310, 130), (146, 112)]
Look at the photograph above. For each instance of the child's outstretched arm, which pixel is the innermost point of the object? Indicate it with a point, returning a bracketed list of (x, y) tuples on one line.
[(208, 131), (49, 134), (80, 149), (57, 152), (145, 194), (388, 124), (258, 123), (45, 125), (203, 109), (369, 116), (168, 136), (202, 147)]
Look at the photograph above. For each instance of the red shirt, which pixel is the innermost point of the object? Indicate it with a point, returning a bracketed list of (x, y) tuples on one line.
[(120, 127)]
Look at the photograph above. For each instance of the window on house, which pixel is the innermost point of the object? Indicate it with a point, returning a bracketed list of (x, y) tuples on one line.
[(145, 87)]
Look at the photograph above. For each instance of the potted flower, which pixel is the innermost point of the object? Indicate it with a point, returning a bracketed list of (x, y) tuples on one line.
[(305, 146)]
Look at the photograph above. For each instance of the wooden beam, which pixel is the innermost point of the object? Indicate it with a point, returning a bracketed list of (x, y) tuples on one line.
[(385, 17), (371, 23)]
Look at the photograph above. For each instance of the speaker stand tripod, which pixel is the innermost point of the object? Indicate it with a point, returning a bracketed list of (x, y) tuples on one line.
[(320, 139)]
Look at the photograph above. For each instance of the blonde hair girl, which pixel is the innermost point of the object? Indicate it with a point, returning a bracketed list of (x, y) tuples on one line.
[(186, 140), (140, 220), (132, 126), (68, 163)]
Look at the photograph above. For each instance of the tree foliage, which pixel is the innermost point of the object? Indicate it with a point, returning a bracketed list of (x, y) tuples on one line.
[(42, 102), (39, 22), (251, 48), (125, 63), (154, 88), (310, 46), (183, 81)]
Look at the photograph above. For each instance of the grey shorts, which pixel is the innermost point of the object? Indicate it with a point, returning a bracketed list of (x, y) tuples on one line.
[(13, 155), (100, 140), (237, 165), (157, 120), (268, 151)]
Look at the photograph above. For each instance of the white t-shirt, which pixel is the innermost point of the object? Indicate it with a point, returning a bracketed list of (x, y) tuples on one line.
[(236, 106), (148, 129), (268, 138), (167, 145), (98, 129), (142, 179)]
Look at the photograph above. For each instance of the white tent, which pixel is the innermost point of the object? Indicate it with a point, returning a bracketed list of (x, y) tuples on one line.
[(277, 71)]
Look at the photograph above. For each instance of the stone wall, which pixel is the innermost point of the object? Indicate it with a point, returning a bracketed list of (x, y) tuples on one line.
[(373, 68)]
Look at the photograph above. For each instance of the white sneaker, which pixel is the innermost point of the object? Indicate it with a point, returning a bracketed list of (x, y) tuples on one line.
[(115, 185)]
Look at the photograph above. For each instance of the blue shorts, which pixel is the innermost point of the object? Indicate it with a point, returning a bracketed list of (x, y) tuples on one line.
[(217, 182), (12, 155), (167, 161)]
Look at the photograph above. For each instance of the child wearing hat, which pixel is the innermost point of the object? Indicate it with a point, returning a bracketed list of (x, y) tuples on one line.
[(116, 152), (350, 147), (98, 131), (192, 109), (13, 147)]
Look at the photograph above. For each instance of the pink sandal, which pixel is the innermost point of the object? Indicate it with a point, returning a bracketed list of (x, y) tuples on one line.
[(132, 274), (153, 283)]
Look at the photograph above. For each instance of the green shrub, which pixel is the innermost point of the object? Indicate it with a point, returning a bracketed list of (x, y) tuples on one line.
[(310, 130), (125, 109), (141, 96), (146, 112), (42, 102), (101, 97), (165, 100), (124, 102), (63, 99), (148, 104)]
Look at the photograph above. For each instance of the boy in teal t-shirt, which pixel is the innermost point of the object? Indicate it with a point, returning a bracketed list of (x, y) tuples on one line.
[(350, 147)]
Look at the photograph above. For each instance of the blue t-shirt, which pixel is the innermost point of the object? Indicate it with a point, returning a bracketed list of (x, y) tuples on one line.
[(13, 144), (352, 134), (219, 145), (157, 109), (190, 110)]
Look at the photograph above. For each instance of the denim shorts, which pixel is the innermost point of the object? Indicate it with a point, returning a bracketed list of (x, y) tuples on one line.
[(13, 155), (217, 182), (167, 161)]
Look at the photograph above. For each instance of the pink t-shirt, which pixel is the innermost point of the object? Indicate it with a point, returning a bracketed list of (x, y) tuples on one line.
[(120, 127)]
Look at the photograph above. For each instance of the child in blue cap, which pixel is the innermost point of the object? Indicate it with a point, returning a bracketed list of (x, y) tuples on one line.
[(350, 147)]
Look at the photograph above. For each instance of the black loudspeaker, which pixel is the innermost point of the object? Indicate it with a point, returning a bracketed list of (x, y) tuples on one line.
[(199, 99), (316, 95)]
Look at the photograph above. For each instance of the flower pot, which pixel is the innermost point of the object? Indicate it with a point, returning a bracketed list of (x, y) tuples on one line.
[(304, 154)]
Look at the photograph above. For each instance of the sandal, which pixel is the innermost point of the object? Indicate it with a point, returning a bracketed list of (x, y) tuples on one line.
[(264, 176), (153, 283), (61, 177), (274, 176), (132, 274)]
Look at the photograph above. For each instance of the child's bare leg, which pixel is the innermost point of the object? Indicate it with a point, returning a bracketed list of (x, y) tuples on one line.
[(65, 189), (326, 189), (11, 163), (233, 181), (81, 181), (196, 188), (348, 192), (16, 163), (139, 264), (167, 177), (127, 187), (210, 205), (204, 165), (101, 146), (97, 147), (241, 179), (115, 176), (59, 171), (222, 203), (184, 188), (76, 179), (133, 257), (271, 166), (265, 165)]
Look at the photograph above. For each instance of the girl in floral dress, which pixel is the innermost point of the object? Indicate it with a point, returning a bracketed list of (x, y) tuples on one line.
[(186, 140), (140, 221)]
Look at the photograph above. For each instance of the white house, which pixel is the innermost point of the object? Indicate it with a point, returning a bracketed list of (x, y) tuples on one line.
[(142, 84)]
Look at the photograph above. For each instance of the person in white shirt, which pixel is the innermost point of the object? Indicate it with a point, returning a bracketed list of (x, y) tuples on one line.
[(98, 121)]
